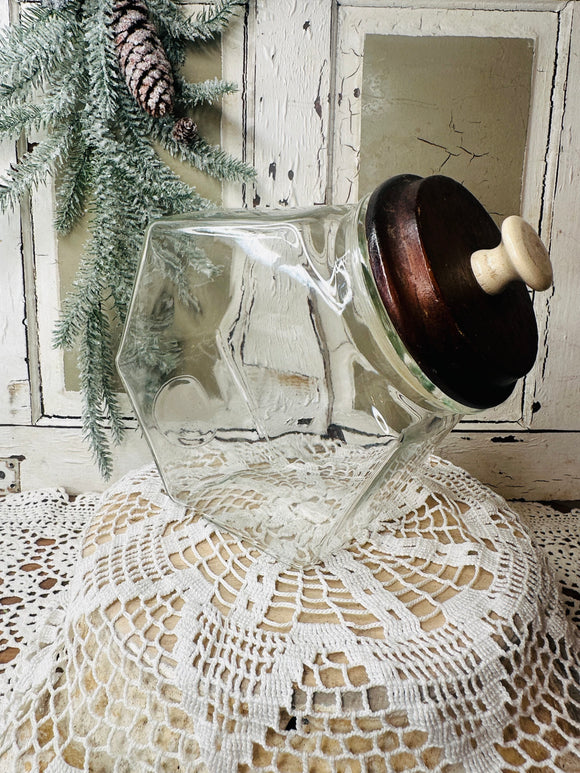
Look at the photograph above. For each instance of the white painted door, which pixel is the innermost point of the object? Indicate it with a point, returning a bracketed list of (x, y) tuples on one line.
[(330, 95)]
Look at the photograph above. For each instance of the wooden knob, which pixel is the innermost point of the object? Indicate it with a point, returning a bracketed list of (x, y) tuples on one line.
[(520, 256)]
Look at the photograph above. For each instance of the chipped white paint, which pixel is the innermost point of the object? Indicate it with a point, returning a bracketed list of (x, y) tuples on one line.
[(14, 389), (292, 59), (291, 124), (544, 28), (235, 107), (58, 456), (14, 392), (471, 5), (554, 402), (519, 465), (355, 23)]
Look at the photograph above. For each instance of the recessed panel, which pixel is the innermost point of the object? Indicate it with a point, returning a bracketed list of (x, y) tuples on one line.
[(457, 106)]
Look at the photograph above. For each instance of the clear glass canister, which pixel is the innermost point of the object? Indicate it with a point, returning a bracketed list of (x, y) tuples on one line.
[(270, 379)]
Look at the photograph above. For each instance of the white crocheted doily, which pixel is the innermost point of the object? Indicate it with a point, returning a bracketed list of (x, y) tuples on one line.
[(558, 535), (438, 644), (39, 538)]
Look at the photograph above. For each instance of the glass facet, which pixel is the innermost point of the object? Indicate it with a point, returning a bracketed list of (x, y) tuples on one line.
[(272, 389)]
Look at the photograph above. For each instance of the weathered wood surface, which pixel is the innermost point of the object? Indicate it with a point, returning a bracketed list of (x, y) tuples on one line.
[(293, 59), (513, 464), (57, 457), (555, 400), (14, 376), (292, 112), (519, 465)]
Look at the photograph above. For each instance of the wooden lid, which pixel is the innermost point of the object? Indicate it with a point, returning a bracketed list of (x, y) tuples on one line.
[(421, 235)]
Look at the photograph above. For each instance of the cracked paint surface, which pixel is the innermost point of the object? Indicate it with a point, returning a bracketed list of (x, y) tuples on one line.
[(454, 106)]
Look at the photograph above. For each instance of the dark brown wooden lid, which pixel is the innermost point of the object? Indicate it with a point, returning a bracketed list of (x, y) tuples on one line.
[(421, 234)]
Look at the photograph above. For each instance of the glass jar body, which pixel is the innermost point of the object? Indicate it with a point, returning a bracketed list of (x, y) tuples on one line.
[(268, 380)]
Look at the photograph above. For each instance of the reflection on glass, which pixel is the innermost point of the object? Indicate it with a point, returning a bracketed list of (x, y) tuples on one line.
[(447, 105)]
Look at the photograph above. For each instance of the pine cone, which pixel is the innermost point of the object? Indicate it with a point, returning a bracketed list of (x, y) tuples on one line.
[(184, 130), (142, 58)]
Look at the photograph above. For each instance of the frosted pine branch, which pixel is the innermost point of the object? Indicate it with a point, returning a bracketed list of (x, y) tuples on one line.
[(204, 26), (59, 72), (99, 399), (73, 187), (105, 80), (212, 20), (33, 168), (86, 294), (192, 95), (207, 158), (31, 52), (55, 108)]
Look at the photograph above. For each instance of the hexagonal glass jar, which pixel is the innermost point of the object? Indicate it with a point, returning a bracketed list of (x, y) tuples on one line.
[(270, 382)]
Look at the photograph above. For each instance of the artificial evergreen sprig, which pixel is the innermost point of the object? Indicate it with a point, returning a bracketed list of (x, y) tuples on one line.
[(34, 167), (60, 73), (191, 95), (204, 27), (32, 51)]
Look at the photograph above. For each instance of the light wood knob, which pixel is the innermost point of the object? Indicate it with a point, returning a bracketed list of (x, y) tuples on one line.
[(521, 256)]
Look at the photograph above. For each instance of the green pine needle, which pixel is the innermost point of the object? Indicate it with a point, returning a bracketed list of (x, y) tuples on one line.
[(99, 398), (213, 19), (59, 74), (73, 186), (207, 158), (206, 26), (52, 111), (34, 168), (46, 41), (192, 95)]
